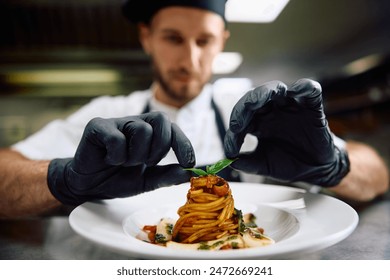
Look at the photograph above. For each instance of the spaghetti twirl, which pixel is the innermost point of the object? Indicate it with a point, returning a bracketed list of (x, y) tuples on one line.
[(208, 220), (208, 213)]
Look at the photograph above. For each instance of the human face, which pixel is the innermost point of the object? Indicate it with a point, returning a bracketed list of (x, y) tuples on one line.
[(182, 43)]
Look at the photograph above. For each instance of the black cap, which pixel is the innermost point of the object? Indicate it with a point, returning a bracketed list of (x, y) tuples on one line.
[(141, 11)]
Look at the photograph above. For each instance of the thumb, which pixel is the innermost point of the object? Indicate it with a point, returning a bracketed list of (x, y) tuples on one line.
[(165, 175), (306, 92), (232, 143), (253, 101)]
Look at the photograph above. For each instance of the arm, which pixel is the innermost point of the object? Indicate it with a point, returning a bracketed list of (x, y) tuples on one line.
[(23, 186), (368, 176)]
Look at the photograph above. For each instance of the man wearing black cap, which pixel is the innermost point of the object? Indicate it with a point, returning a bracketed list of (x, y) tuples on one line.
[(132, 147)]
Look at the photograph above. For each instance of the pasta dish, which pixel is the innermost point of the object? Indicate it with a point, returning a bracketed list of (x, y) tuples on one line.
[(208, 221)]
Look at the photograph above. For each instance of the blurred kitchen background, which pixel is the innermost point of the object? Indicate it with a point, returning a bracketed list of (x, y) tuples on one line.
[(57, 55)]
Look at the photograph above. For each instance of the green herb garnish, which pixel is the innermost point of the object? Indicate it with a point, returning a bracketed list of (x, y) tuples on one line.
[(212, 169), (251, 221), (160, 238), (234, 245), (169, 228), (241, 225), (203, 246)]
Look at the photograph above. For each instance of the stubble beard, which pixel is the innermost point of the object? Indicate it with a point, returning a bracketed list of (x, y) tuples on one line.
[(181, 95)]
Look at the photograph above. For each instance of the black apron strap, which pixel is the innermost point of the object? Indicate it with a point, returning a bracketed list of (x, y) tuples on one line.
[(219, 121), (229, 174), (146, 108)]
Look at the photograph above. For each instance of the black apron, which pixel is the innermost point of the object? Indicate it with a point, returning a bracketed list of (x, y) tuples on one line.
[(228, 173)]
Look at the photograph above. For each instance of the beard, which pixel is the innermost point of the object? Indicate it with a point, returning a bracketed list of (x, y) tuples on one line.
[(183, 93)]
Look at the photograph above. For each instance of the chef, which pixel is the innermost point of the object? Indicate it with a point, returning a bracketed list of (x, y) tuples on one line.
[(125, 145)]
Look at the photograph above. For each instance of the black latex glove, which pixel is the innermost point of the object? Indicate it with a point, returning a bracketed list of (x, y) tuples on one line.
[(118, 158), (294, 141)]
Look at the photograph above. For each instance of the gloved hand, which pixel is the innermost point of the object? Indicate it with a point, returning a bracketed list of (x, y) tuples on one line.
[(118, 158), (294, 141)]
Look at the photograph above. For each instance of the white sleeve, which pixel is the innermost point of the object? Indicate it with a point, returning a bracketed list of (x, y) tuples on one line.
[(60, 138)]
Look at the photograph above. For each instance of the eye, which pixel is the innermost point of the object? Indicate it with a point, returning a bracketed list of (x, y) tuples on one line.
[(174, 39), (203, 42)]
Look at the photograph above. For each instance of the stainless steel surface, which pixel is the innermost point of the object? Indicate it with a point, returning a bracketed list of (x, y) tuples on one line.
[(52, 238)]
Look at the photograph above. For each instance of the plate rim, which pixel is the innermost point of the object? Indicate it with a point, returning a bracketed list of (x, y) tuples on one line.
[(250, 253)]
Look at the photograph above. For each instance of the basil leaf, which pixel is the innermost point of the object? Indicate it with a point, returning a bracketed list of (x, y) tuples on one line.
[(212, 169), (197, 171), (215, 168)]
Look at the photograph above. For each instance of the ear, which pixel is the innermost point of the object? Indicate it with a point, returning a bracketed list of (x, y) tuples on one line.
[(226, 36), (144, 37)]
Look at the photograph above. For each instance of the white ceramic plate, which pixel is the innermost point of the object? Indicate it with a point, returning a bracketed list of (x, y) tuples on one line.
[(297, 220)]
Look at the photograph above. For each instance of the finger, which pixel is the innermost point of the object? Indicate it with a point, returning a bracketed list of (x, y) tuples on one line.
[(265, 160), (232, 143), (139, 136), (121, 182), (251, 164), (306, 92), (182, 147), (253, 101), (161, 141), (102, 140), (163, 176), (139, 179)]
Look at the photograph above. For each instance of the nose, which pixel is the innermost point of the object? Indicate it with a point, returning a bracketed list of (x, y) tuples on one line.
[(190, 59)]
